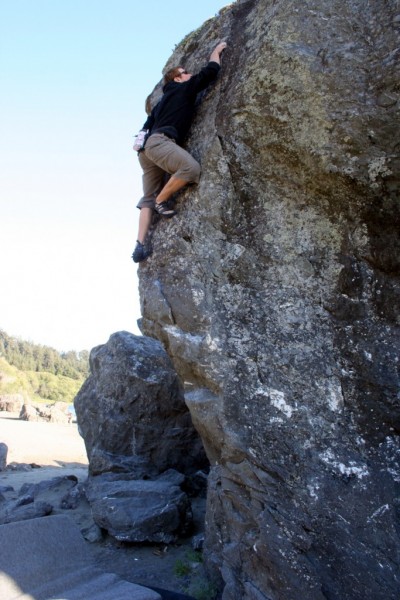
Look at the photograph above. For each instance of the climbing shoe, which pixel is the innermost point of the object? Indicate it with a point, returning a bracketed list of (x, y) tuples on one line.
[(164, 209), (141, 252)]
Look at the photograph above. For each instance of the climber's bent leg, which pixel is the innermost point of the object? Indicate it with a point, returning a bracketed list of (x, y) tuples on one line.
[(173, 159)]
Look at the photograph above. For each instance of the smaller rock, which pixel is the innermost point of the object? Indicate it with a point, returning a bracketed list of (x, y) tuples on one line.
[(55, 484), (3, 456), (172, 477), (139, 511), (28, 413), (92, 534), (19, 467), (10, 512), (72, 498), (51, 413), (11, 402), (23, 500), (6, 488)]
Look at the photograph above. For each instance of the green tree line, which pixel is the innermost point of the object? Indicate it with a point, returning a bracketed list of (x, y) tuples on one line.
[(27, 356), (37, 386)]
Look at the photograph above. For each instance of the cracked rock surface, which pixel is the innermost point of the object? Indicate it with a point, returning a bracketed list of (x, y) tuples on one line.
[(275, 291)]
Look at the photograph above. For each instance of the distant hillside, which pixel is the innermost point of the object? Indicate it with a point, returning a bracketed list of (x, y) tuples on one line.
[(40, 372)]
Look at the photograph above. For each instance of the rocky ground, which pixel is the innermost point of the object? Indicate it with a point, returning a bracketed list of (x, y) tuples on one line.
[(40, 452)]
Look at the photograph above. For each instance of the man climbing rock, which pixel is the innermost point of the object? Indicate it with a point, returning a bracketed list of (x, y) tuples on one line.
[(166, 129)]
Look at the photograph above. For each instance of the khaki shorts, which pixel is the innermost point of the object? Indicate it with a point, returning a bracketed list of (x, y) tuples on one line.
[(160, 158)]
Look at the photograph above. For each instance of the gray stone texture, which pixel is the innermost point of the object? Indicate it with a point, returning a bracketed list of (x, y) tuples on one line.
[(131, 411), (275, 293), (139, 510)]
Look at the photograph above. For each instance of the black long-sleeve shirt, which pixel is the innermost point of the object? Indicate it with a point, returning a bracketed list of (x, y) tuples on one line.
[(174, 113)]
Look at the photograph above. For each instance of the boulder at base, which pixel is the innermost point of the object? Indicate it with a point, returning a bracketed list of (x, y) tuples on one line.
[(138, 510)]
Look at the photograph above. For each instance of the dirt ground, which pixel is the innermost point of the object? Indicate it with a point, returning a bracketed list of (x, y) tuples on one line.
[(46, 444), (41, 451)]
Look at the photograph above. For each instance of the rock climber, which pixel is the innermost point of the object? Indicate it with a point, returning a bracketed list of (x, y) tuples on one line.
[(164, 132)]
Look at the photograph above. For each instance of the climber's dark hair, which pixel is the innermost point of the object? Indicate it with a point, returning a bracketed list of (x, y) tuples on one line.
[(171, 74), (147, 104)]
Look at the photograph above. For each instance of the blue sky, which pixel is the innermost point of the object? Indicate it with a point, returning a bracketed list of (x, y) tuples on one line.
[(74, 76)]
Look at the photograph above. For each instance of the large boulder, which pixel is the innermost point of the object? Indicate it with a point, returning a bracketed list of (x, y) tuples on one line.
[(131, 411), (276, 294)]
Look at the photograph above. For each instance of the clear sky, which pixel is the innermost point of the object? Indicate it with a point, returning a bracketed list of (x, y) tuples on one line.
[(74, 75)]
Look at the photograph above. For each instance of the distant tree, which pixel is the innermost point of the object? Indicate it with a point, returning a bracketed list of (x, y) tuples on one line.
[(27, 356)]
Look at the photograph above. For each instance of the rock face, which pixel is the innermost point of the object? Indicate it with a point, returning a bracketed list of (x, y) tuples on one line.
[(275, 293)]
